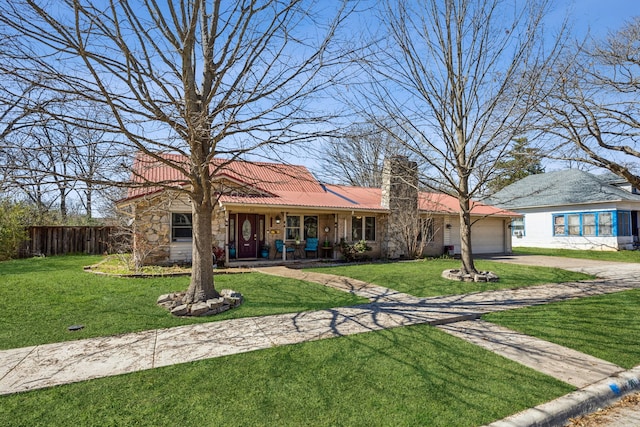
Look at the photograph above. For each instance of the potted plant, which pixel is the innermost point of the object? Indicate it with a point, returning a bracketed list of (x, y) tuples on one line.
[(264, 251), (218, 256)]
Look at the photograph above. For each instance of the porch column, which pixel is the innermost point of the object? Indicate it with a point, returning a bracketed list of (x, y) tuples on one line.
[(284, 235), (335, 235), (226, 237)]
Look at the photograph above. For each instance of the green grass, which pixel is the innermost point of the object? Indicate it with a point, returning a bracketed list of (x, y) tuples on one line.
[(41, 297), (605, 326), (423, 278), (122, 264), (616, 256), (400, 377)]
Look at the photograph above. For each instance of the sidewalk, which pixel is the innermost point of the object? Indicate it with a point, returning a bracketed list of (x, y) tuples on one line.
[(47, 365)]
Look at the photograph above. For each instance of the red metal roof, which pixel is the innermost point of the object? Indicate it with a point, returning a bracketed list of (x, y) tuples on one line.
[(275, 184), (261, 176)]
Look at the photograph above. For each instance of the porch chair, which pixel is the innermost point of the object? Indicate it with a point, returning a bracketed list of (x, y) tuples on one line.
[(279, 246), (312, 246)]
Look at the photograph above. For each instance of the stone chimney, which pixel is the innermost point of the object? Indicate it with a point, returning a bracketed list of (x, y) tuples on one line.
[(400, 196)]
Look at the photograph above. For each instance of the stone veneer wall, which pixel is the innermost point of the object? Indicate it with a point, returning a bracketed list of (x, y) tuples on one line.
[(152, 231), (218, 228), (153, 227), (400, 196)]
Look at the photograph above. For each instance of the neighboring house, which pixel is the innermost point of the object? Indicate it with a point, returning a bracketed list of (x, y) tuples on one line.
[(572, 209), (260, 203)]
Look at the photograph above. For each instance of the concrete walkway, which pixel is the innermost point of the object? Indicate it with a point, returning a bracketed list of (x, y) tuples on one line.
[(47, 365)]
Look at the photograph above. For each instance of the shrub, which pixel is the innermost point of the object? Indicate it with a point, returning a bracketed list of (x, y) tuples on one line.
[(12, 229), (353, 251)]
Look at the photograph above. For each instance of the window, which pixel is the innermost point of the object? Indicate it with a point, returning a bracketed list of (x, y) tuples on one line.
[(292, 229), (589, 224), (310, 227), (181, 227), (624, 223), (605, 224), (370, 228), (363, 228), (517, 227), (558, 225), (574, 225)]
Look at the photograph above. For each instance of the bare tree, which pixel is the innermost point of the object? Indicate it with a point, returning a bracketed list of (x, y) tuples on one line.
[(16, 115), (456, 77), (198, 78), (417, 232), (356, 156), (594, 113), (94, 156), (55, 164)]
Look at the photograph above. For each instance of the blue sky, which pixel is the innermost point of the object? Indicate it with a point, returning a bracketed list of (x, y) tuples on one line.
[(594, 17), (599, 16)]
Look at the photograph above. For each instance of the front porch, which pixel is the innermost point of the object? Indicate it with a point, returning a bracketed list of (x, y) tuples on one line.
[(292, 263), (279, 236)]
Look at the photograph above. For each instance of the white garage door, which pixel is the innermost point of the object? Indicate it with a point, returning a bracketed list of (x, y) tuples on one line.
[(487, 236)]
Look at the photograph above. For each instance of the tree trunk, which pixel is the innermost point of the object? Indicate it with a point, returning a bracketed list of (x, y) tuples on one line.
[(202, 286), (466, 252), (88, 196), (63, 203)]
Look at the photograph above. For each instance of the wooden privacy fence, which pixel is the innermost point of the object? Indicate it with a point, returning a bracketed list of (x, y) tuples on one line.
[(62, 240)]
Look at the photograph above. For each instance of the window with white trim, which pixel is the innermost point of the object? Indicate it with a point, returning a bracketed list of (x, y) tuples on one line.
[(292, 228), (181, 227), (517, 227), (363, 228)]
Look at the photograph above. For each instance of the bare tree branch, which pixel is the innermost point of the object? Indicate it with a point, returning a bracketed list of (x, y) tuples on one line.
[(593, 115), (457, 76), (202, 79)]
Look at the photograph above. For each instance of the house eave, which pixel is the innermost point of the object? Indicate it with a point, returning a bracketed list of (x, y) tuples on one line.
[(575, 204)]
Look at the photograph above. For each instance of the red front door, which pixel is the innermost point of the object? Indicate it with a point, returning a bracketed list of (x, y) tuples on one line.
[(247, 236)]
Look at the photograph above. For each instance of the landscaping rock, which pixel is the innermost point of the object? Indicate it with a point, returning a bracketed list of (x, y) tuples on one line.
[(483, 276), (230, 293), (492, 277), (232, 301), (199, 309), (215, 303), (164, 298), (173, 302), (180, 310)]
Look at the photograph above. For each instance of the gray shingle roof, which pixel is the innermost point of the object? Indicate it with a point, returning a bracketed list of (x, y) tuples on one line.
[(560, 188)]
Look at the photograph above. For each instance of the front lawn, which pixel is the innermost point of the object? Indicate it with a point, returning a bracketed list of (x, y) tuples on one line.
[(41, 297), (407, 376), (604, 326), (615, 256), (423, 278)]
